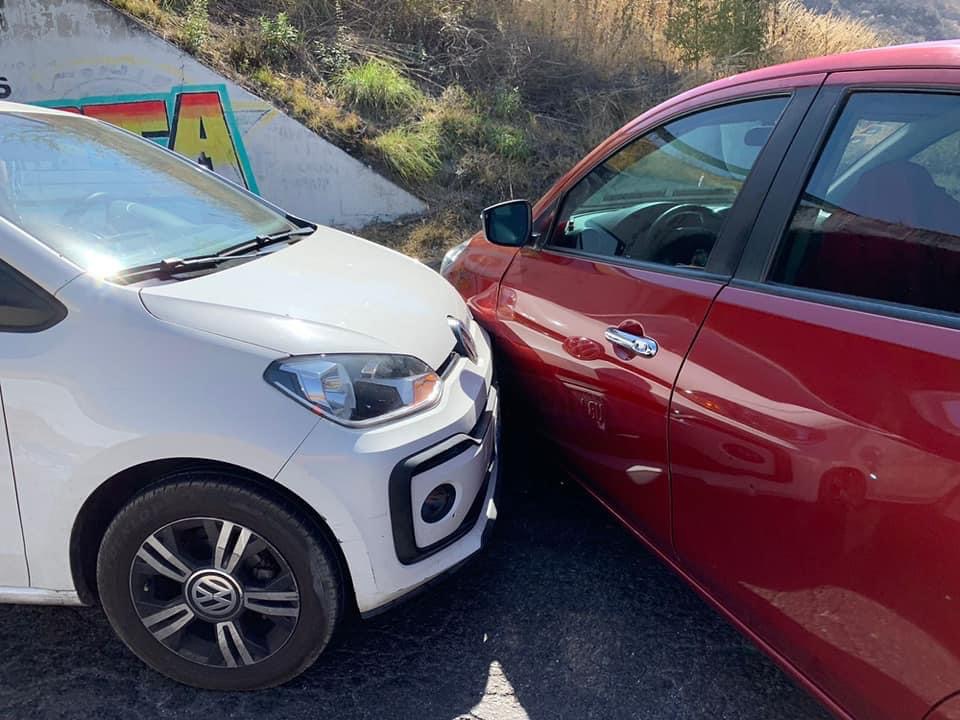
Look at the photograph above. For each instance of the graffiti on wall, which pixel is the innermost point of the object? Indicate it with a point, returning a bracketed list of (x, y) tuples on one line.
[(5, 88), (193, 120)]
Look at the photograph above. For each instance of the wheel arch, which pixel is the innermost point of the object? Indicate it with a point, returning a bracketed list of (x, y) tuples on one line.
[(103, 504)]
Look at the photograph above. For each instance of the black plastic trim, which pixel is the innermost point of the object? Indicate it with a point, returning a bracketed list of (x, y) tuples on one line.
[(743, 214), (853, 302), (785, 189), (401, 510), (56, 310), (447, 365)]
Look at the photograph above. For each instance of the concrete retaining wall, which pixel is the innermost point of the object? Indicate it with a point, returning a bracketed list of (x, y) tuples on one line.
[(86, 56)]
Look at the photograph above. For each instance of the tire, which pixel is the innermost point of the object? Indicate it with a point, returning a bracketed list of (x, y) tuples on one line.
[(254, 615)]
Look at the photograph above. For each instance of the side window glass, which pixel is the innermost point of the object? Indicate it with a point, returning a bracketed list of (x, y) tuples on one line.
[(24, 307), (663, 198), (865, 136), (940, 160), (880, 216)]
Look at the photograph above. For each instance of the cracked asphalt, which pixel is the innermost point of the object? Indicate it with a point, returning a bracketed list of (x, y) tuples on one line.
[(564, 615)]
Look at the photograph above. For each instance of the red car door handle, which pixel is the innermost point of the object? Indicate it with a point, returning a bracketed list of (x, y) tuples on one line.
[(636, 344)]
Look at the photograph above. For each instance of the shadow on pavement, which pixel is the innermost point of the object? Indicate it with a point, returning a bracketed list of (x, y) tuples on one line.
[(564, 616)]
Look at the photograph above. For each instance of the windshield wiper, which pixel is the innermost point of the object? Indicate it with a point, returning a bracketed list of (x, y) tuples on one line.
[(261, 241), (171, 267)]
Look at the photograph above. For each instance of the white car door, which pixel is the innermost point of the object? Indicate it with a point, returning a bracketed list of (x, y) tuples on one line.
[(26, 309), (13, 564)]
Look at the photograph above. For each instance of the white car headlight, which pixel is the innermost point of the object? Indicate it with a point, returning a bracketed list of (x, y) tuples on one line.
[(451, 257), (357, 390)]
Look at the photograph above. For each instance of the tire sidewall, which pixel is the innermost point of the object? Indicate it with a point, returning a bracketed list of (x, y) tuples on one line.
[(311, 566)]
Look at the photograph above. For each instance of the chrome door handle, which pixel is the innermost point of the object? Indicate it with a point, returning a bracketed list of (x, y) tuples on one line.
[(636, 344)]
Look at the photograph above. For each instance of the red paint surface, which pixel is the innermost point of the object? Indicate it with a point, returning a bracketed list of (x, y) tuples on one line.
[(949, 710), (477, 275), (815, 459), (814, 451), (607, 413)]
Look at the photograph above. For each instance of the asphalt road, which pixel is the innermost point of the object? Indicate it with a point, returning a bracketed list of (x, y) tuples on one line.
[(564, 615)]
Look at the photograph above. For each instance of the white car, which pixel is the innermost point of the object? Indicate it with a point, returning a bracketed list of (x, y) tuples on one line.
[(225, 425)]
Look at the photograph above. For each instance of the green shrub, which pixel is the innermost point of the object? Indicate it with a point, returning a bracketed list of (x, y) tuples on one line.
[(412, 151), (278, 36), (378, 86), (196, 26), (331, 53), (507, 102), (508, 141), (266, 78), (456, 119)]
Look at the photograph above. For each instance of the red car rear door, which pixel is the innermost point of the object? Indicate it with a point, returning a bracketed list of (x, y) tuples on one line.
[(596, 320), (815, 426)]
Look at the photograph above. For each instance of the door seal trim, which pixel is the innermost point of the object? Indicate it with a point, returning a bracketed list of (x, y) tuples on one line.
[(39, 596)]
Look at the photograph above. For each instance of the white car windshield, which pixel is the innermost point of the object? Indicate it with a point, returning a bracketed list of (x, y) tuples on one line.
[(108, 200)]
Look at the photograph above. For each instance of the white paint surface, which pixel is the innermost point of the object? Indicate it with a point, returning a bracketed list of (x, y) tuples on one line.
[(76, 50)]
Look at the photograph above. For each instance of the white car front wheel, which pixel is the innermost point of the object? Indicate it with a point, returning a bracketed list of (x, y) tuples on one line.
[(217, 586)]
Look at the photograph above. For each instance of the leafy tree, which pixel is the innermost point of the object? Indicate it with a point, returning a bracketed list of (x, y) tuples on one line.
[(719, 29), (738, 27), (687, 29)]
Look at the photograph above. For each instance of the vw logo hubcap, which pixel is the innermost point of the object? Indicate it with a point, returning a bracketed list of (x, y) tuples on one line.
[(213, 595)]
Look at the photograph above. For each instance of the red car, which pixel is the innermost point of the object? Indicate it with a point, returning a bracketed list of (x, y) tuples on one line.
[(739, 320)]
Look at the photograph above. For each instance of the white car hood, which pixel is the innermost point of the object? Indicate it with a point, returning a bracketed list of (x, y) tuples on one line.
[(330, 292)]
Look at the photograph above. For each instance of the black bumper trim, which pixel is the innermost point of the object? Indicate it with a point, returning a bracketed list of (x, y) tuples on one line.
[(401, 478)]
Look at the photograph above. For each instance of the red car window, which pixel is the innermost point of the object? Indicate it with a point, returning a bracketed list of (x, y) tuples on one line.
[(663, 198), (880, 216)]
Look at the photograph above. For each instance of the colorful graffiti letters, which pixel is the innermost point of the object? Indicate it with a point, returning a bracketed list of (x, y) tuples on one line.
[(195, 121), (200, 131)]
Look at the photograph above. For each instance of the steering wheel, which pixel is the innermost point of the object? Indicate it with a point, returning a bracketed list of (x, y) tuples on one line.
[(666, 229), (84, 205)]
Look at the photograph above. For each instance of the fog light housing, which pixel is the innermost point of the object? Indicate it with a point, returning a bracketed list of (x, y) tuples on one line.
[(438, 503)]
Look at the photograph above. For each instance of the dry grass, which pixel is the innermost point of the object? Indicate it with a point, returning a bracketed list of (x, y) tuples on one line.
[(426, 238), (614, 34), (609, 34), (801, 33), (307, 103), (146, 10)]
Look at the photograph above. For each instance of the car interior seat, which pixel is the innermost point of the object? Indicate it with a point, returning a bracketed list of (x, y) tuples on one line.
[(894, 236)]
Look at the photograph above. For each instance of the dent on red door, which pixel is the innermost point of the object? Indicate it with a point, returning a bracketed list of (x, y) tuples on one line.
[(606, 410), (816, 482), (476, 276)]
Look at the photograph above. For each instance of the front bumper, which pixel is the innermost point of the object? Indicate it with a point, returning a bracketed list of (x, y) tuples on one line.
[(468, 463), (368, 485)]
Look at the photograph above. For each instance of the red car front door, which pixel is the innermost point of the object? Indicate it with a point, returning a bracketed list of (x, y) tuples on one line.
[(815, 426), (595, 322)]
